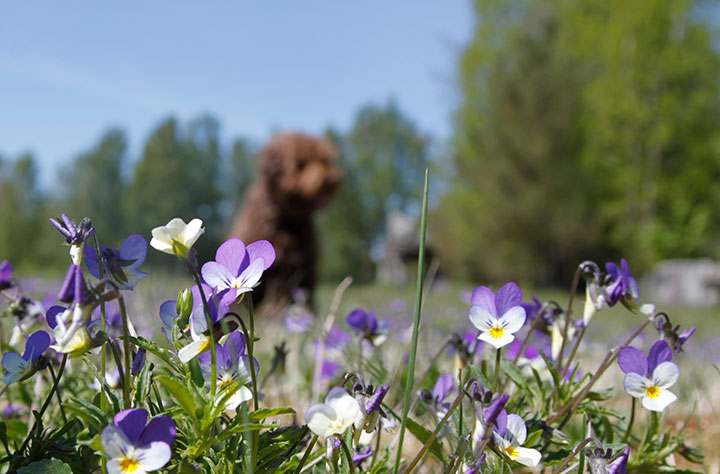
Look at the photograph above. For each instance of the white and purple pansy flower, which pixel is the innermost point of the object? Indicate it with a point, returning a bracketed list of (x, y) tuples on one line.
[(119, 265), (367, 325), (497, 317), (135, 446), (339, 412), (199, 331), (648, 378), (510, 434), (237, 267), (233, 370), (22, 367)]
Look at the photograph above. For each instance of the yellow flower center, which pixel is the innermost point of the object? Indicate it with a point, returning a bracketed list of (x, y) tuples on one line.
[(226, 381), (496, 332), (511, 451), (652, 391), (339, 426), (128, 465)]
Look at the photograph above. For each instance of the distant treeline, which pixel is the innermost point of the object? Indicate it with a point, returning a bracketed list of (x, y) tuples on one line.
[(583, 129)]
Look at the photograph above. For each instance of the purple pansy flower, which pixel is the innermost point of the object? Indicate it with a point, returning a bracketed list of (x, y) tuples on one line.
[(135, 446), (233, 369), (329, 369), (444, 385), (74, 287), (497, 317), (649, 378), (623, 284), (120, 266), (367, 325), (237, 267), (5, 274), (297, 320), (75, 235), (20, 368)]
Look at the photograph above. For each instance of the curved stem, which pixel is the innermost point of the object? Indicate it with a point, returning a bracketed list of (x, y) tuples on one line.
[(213, 359), (630, 423), (566, 366)]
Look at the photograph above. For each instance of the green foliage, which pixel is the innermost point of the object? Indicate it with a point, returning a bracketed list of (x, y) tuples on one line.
[(584, 129), (384, 157)]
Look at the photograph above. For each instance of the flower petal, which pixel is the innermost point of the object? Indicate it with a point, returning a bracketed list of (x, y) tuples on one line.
[(665, 375), (507, 297), (634, 384), (250, 277), (13, 362), (481, 318), (516, 430), (659, 402), (114, 442), (193, 231), (499, 342), (132, 421), (217, 275), (443, 386), (632, 360), (660, 352), (154, 456), (527, 456), (485, 298), (37, 343), (513, 319), (134, 248), (320, 419), (187, 353), (262, 249), (161, 428), (231, 255)]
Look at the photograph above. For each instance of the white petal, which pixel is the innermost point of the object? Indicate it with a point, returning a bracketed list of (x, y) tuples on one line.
[(217, 275), (481, 318), (192, 232), (113, 466), (250, 277), (516, 429), (527, 456), (635, 384), (243, 394), (320, 419), (154, 456), (665, 374), (198, 323), (499, 342), (114, 442), (660, 402), (176, 228), (590, 308), (187, 353), (513, 319)]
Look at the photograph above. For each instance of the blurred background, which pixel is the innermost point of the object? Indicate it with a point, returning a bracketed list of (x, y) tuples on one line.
[(555, 131)]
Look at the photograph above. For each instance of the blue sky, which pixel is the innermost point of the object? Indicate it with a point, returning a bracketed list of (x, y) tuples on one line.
[(70, 70)]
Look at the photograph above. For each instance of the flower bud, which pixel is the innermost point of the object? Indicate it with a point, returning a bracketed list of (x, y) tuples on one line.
[(184, 307)]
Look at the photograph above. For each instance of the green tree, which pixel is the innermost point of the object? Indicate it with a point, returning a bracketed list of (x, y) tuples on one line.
[(384, 156), (95, 187)]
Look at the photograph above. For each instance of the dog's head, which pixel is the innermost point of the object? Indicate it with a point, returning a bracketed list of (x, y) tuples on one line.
[(300, 173)]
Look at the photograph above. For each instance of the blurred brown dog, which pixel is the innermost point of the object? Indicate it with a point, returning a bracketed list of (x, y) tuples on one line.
[(297, 176)]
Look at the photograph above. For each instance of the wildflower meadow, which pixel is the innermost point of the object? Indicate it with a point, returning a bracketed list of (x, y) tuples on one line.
[(201, 383)]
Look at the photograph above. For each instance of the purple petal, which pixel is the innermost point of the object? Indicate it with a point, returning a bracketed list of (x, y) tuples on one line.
[(619, 466), (660, 352), (443, 386), (231, 255), (495, 411), (329, 369), (52, 313), (5, 270), (501, 420), (60, 228), (160, 429), (235, 345), (685, 335), (132, 422), (168, 312), (66, 290), (262, 249), (357, 319), (507, 297), (613, 270), (80, 287), (360, 457), (485, 298), (91, 261), (36, 344), (632, 360), (374, 402), (134, 248), (138, 361)]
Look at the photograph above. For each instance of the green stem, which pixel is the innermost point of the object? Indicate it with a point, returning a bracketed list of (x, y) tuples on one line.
[(306, 455), (251, 350), (568, 314), (103, 355), (434, 434), (572, 455), (126, 349), (56, 381), (213, 359), (57, 392), (416, 323), (348, 455), (630, 423), (496, 375)]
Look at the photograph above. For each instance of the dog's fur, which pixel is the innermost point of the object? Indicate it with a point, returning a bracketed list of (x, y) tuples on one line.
[(297, 176)]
